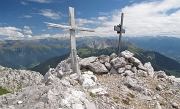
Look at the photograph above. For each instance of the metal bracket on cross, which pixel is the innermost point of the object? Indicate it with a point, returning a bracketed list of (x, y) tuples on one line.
[(72, 28), (120, 30)]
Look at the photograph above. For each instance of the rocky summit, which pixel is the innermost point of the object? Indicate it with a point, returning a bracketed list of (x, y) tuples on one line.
[(106, 82)]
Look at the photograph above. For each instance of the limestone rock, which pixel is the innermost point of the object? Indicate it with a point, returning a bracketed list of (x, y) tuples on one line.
[(135, 61), (88, 80), (140, 66), (159, 87), (16, 80), (98, 68), (150, 69), (113, 55), (133, 83), (118, 62), (134, 69), (64, 66), (128, 73), (128, 67), (121, 70), (127, 54), (142, 73), (160, 74), (108, 65), (86, 61), (158, 106), (175, 105), (104, 58), (98, 91)]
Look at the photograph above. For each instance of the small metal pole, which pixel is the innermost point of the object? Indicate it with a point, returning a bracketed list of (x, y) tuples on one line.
[(120, 34)]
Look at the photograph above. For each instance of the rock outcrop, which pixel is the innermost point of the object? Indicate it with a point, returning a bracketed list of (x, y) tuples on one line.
[(107, 82), (15, 80)]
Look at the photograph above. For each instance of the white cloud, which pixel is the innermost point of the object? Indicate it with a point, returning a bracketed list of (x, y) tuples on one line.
[(84, 22), (23, 3), (49, 13), (144, 19), (102, 18), (10, 32), (26, 16), (27, 30), (41, 1)]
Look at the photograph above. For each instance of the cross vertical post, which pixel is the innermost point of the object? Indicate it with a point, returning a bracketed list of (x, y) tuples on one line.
[(74, 61), (120, 30), (72, 28)]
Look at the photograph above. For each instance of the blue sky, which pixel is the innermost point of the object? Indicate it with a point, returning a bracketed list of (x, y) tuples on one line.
[(23, 19)]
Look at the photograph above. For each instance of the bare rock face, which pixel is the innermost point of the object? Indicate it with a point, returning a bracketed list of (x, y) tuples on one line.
[(15, 80)]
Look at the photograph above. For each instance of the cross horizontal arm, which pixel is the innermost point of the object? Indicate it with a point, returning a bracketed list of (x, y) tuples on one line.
[(69, 27)]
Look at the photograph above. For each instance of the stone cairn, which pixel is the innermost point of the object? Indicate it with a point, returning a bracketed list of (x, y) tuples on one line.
[(138, 86)]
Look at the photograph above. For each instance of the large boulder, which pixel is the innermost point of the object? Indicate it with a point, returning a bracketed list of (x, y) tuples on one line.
[(118, 62), (133, 83), (150, 69), (97, 68), (127, 54), (86, 61)]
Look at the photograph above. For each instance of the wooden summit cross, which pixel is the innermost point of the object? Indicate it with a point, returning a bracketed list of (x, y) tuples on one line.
[(72, 28)]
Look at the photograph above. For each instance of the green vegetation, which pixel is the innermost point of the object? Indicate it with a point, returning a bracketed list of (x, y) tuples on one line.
[(3, 91), (92, 95)]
